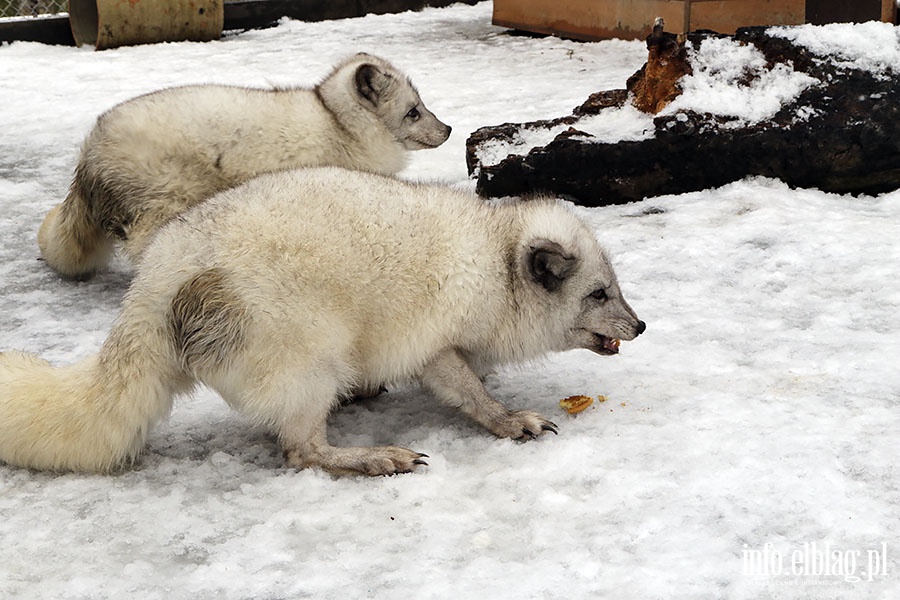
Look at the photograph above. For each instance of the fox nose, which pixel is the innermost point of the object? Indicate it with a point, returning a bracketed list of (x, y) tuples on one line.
[(641, 326)]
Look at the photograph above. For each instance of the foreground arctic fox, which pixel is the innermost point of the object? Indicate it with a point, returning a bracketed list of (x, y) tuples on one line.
[(154, 156), (288, 292)]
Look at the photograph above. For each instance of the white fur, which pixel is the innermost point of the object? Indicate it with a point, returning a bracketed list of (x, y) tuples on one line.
[(307, 285), (155, 156)]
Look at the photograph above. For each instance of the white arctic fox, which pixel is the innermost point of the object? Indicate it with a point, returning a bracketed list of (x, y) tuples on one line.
[(288, 292), (156, 155)]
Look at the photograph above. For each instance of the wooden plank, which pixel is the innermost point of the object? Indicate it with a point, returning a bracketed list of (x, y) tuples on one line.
[(633, 19)]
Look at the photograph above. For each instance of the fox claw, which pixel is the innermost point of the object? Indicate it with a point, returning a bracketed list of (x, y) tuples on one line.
[(522, 425), (528, 434)]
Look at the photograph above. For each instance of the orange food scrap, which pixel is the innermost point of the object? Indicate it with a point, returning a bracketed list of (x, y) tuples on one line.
[(576, 404)]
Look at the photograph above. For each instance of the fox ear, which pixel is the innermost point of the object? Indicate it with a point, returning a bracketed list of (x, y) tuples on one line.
[(371, 82), (549, 264)]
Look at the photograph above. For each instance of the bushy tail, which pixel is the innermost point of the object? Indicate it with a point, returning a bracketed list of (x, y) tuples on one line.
[(90, 416), (71, 242)]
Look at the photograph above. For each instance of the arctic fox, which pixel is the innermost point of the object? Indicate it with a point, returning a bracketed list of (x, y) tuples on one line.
[(156, 155), (291, 290)]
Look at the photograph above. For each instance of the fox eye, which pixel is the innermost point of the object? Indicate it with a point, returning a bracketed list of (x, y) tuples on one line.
[(599, 295), (413, 114)]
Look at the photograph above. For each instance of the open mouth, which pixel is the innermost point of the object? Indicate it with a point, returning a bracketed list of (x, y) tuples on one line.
[(420, 145), (606, 345)]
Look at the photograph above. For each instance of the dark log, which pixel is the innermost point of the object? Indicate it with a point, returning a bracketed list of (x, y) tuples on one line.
[(851, 144)]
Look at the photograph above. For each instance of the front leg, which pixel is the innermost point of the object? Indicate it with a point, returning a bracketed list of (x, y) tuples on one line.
[(449, 377)]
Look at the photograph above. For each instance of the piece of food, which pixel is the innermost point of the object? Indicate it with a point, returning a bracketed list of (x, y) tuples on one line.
[(607, 345), (576, 404)]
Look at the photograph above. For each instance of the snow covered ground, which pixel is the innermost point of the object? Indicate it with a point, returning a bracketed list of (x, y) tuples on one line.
[(748, 447)]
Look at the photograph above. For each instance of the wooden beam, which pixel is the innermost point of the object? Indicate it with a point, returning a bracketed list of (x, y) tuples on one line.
[(247, 14), (47, 30), (251, 14), (889, 11)]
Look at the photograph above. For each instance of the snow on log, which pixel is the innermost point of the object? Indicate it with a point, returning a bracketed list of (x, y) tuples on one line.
[(815, 106)]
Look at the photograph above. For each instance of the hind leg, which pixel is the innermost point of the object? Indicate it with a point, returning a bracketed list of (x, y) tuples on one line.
[(71, 243), (303, 436), (297, 406), (305, 444)]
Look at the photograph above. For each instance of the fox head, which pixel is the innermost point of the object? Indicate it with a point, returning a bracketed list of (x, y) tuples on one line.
[(573, 275), (383, 90)]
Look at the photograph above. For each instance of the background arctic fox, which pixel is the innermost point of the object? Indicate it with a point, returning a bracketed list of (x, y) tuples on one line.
[(156, 155), (288, 292)]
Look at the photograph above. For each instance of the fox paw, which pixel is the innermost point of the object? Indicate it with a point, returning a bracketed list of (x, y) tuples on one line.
[(522, 425), (385, 460)]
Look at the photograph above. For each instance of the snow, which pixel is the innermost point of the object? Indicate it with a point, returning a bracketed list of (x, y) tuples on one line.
[(733, 80), (610, 125), (872, 46), (753, 423), (729, 79)]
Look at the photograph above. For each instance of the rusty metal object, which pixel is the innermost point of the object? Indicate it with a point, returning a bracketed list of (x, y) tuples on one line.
[(113, 23)]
